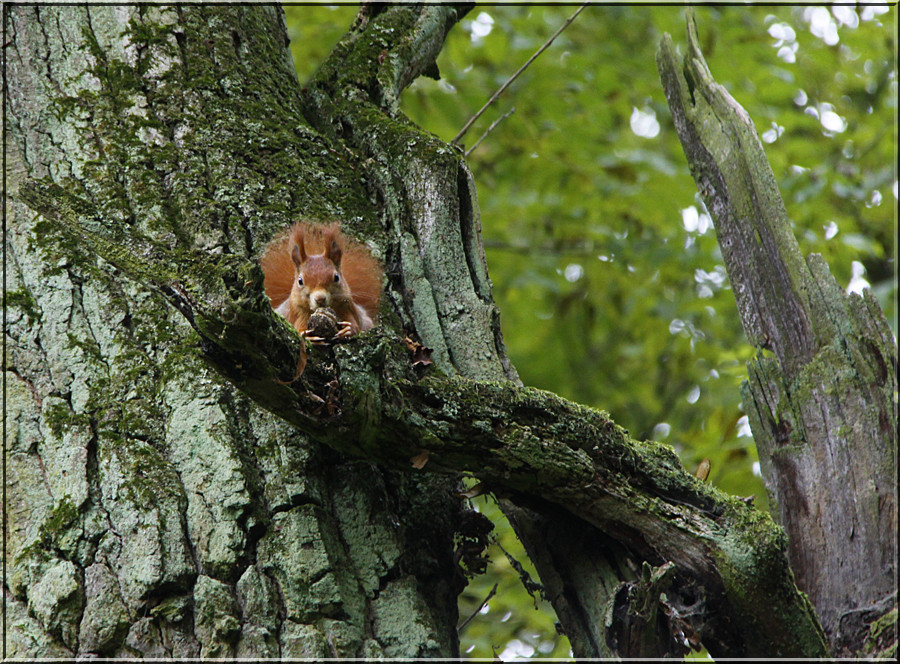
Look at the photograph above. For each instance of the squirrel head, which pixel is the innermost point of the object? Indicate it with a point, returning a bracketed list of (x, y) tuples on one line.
[(318, 276)]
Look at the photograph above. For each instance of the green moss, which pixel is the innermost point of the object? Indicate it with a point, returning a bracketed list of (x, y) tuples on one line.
[(58, 417), (882, 638), (751, 561), (63, 515), (144, 168), (54, 530), (24, 301), (172, 609), (148, 478)]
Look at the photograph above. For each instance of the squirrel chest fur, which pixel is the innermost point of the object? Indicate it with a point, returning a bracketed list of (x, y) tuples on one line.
[(314, 266)]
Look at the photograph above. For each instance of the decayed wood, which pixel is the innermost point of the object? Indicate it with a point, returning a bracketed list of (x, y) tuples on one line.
[(821, 395)]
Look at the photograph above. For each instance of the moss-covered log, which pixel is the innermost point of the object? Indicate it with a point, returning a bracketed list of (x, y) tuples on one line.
[(822, 393)]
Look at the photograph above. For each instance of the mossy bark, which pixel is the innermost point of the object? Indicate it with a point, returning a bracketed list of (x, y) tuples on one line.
[(822, 392), (146, 489), (153, 509)]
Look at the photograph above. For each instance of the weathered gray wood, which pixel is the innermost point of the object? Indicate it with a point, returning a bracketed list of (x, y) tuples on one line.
[(821, 394)]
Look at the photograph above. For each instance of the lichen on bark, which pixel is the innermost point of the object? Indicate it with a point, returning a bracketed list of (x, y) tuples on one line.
[(314, 516), (173, 479)]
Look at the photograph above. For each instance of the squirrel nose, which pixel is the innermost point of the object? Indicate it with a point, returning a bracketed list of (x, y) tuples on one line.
[(319, 299)]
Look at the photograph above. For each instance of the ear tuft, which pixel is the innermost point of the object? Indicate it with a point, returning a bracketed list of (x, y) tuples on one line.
[(334, 253)]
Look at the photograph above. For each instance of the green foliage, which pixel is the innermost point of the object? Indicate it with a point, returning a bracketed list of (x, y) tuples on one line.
[(605, 266), (314, 31)]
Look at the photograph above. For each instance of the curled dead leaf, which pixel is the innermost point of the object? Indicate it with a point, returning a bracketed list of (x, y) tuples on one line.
[(419, 460), (421, 355), (474, 492), (703, 469)]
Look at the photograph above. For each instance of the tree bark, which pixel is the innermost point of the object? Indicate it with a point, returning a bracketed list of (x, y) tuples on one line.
[(153, 510), (821, 396), (146, 490)]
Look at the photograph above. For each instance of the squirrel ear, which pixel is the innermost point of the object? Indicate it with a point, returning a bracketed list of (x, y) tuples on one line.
[(298, 250), (334, 253)]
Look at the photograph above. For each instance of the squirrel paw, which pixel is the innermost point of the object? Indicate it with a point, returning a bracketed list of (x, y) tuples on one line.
[(346, 329), (314, 340)]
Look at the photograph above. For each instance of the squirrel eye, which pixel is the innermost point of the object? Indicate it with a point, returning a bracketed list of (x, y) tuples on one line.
[(337, 277), (300, 280)]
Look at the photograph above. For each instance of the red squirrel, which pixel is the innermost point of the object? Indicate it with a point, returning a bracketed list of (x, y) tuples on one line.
[(316, 266)]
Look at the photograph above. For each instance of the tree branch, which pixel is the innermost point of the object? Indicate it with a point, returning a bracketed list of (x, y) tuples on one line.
[(522, 443), (509, 81), (427, 194)]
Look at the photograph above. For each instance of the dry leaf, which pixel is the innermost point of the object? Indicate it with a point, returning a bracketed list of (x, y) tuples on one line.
[(419, 460), (474, 492), (703, 470), (421, 355)]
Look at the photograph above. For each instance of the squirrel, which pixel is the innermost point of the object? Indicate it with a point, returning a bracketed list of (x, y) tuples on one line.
[(312, 267)]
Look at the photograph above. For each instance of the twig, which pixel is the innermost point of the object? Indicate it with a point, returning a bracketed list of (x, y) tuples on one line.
[(490, 129), (512, 78), (478, 610), (582, 248), (530, 586)]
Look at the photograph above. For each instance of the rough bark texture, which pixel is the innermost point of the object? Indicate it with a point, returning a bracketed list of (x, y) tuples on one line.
[(821, 395), (155, 510), (429, 202)]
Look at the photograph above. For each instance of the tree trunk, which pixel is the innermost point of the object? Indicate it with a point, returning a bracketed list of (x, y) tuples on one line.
[(154, 510), (822, 391), (157, 510)]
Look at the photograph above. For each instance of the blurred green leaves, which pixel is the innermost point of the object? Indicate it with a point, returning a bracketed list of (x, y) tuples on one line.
[(605, 266), (606, 295)]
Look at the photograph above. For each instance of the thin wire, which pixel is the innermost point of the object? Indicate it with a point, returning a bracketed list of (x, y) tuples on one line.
[(478, 610), (512, 78)]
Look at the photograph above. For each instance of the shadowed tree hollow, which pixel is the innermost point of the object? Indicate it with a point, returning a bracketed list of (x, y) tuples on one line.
[(174, 490)]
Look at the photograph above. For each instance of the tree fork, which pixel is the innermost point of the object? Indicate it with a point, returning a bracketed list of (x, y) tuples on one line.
[(523, 443), (550, 458)]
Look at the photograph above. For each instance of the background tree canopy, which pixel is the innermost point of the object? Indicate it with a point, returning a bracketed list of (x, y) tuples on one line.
[(604, 261)]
